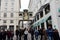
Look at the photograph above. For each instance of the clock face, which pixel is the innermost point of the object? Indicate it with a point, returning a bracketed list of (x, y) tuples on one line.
[(25, 17)]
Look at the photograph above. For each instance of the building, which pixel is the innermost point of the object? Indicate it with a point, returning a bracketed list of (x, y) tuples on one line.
[(46, 14), (9, 14), (34, 5)]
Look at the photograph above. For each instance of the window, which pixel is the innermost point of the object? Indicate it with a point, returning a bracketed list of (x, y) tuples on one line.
[(5, 9), (11, 21), (0, 2), (20, 14), (37, 17), (4, 21), (11, 14), (12, 3), (47, 9), (6, 4), (41, 14), (30, 14), (42, 25), (5, 14)]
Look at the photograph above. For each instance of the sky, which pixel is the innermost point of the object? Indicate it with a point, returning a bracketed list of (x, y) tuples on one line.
[(24, 4)]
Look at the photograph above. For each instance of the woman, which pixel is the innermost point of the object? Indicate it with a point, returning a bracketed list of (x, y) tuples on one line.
[(55, 34)]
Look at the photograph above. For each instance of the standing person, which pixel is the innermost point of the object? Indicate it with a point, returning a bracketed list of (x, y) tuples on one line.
[(36, 34), (44, 34), (17, 33), (55, 34), (4, 34), (39, 32), (29, 35), (32, 34), (0, 34), (25, 34), (8, 35), (12, 35), (50, 33)]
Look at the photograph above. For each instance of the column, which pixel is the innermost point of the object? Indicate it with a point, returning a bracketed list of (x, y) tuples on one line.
[(14, 27), (7, 26), (40, 25), (45, 21), (45, 25)]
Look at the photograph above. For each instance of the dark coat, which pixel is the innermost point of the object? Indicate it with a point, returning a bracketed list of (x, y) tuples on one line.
[(17, 32), (4, 34), (1, 35), (56, 35)]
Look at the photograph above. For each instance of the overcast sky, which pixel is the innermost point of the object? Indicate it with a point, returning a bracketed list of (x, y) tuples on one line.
[(24, 4)]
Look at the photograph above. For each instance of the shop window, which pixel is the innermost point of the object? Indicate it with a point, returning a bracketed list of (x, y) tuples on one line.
[(47, 9)]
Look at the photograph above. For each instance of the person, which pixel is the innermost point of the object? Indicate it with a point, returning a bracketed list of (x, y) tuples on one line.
[(50, 33), (4, 34), (44, 34), (32, 34), (39, 32), (55, 34), (12, 35), (25, 34), (29, 35), (8, 34), (36, 34), (17, 33), (0, 34)]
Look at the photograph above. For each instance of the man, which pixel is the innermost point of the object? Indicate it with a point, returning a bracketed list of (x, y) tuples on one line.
[(50, 33), (8, 34), (0, 35), (4, 34), (25, 34), (32, 34), (36, 33), (56, 34), (17, 33), (12, 35)]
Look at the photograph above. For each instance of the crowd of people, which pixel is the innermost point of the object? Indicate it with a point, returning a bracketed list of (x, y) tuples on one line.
[(42, 33), (30, 34), (6, 35)]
